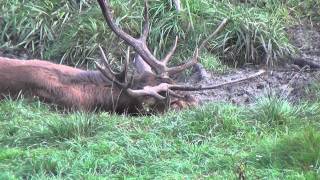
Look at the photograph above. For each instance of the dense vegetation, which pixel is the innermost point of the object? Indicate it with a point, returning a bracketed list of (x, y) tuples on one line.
[(70, 33), (271, 139)]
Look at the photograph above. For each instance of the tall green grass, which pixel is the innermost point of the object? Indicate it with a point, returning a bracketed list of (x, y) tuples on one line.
[(70, 33)]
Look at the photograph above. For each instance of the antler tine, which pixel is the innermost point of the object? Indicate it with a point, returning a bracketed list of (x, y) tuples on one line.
[(194, 59), (188, 64), (150, 91), (146, 28), (125, 69), (106, 11), (171, 52), (105, 60), (107, 71), (108, 75), (155, 90), (140, 45)]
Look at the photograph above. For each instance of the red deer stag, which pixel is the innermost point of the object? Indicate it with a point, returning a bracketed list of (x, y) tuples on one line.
[(74, 88)]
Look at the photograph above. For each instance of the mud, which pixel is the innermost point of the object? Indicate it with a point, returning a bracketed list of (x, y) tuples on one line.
[(287, 81), (283, 82)]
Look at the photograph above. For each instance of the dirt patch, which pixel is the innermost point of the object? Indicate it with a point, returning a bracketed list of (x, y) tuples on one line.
[(288, 81), (306, 38)]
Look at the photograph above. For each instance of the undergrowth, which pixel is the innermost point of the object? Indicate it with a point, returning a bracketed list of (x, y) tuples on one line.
[(70, 33), (271, 139)]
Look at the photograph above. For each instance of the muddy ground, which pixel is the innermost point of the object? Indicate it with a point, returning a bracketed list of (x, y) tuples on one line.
[(288, 80)]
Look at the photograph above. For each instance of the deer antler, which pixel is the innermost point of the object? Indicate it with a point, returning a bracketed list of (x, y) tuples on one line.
[(165, 87), (112, 76), (160, 66), (140, 44)]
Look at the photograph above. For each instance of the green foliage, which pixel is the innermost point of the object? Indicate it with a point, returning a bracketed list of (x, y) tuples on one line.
[(70, 33), (307, 9), (313, 92), (213, 63), (32, 25)]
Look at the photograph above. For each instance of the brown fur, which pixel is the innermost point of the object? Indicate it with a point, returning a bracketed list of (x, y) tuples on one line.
[(74, 88)]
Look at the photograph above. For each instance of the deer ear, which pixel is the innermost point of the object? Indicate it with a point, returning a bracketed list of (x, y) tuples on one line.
[(140, 65)]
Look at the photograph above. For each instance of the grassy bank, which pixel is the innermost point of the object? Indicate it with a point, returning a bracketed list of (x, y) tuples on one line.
[(70, 33), (272, 139)]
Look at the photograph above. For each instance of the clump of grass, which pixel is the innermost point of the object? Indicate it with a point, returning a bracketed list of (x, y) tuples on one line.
[(213, 63), (76, 125), (30, 123), (45, 162), (302, 10), (298, 150), (313, 92), (32, 25), (273, 111), (254, 35), (205, 122)]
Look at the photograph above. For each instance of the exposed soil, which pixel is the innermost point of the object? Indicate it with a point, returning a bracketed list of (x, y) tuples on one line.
[(289, 80), (284, 82)]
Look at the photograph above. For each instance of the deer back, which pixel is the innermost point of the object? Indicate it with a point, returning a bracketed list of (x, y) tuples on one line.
[(63, 85)]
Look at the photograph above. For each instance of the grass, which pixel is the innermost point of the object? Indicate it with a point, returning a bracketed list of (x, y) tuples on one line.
[(272, 139), (70, 33), (213, 63)]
